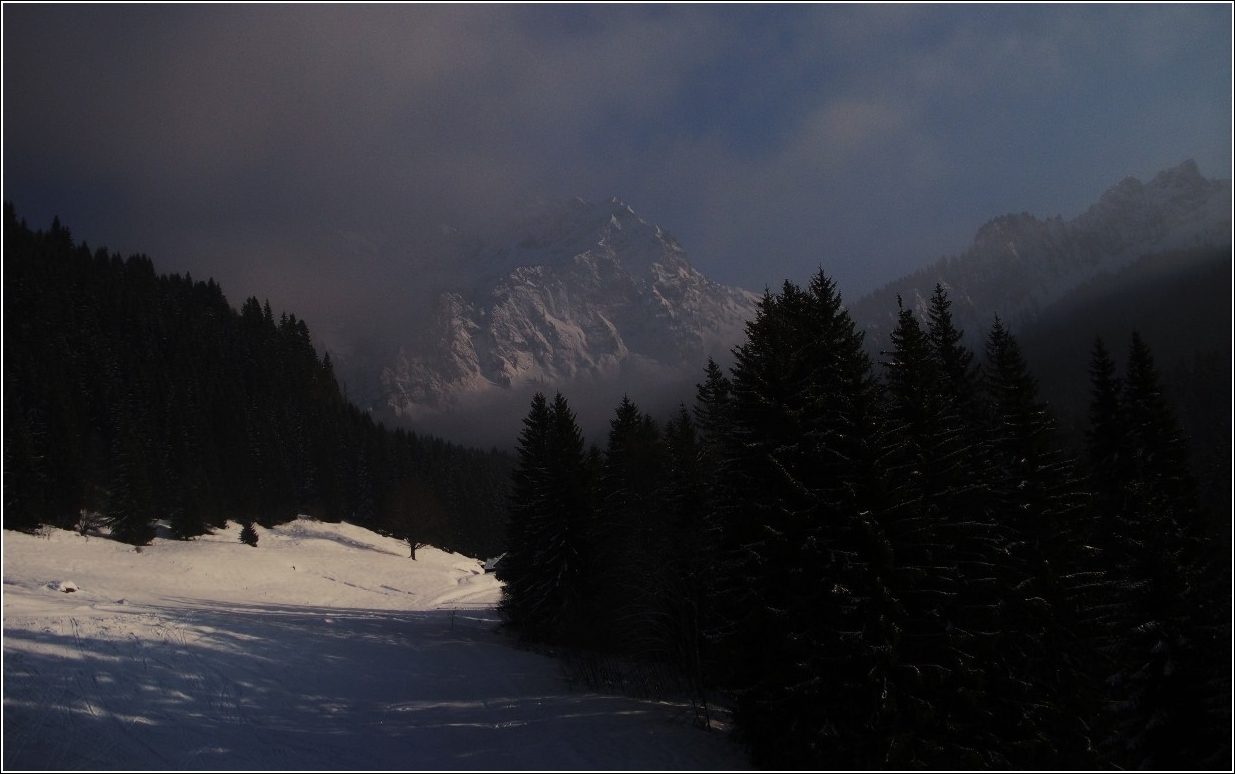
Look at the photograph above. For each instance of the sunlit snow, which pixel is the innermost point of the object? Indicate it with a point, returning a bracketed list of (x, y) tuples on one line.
[(323, 647)]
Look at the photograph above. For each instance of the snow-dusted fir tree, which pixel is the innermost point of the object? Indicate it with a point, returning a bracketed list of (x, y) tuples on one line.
[(1043, 689), (801, 621), (941, 544)]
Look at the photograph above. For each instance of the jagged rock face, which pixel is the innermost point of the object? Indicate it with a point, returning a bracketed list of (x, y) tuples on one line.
[(1018, 264), (577, 289)]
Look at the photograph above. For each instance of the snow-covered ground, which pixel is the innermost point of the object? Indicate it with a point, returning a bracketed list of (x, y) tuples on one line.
[(324, 647)]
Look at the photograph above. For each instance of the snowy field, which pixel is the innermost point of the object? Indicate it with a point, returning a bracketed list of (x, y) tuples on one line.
[(325, 647)]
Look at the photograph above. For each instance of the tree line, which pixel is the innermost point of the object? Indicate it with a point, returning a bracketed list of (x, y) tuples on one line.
[(132, 397), (891, 564)]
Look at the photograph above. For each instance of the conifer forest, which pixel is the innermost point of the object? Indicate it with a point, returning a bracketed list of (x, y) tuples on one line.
[(892, 564), (884, 562), (131, 397)]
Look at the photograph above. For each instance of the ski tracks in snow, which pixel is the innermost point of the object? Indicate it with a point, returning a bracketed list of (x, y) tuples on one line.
[(297, 661), (472, 591), (143, 686)]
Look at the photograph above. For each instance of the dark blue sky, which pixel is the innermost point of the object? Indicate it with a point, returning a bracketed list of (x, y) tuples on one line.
[(231, 141)]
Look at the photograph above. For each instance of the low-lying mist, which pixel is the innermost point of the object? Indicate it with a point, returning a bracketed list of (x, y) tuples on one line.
[(494, 418)]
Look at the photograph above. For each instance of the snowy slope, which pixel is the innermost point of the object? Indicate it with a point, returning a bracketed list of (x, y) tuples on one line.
[(325, 647)]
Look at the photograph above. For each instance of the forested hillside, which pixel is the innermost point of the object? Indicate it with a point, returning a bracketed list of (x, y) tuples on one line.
[(132, 397), (891, 562), (894, 564), (1180, 304)]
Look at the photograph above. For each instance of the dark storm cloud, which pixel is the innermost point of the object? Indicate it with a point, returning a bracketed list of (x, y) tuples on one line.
[(227, 136), (310, 153)]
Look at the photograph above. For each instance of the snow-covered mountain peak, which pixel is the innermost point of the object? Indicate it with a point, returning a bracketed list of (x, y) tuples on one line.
[(573, 288), (555, 234)]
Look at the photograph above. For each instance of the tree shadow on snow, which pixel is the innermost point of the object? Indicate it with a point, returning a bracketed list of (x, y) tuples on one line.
[(225, 686)]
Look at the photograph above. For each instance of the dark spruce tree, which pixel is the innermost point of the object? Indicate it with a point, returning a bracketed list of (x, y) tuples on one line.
[(1106, 434), (1156, 449), (130, 500), (1169, 632), (957, 374), (632, 548), (713, 407), (549, 545), (804, 628), (941, 548), (713, 420), (1044, 684), (685, 565), (248, 534)]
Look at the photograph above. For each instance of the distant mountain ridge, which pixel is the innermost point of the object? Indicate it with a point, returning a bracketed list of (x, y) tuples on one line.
[(591, 294), (576, 289), (1019, 264)]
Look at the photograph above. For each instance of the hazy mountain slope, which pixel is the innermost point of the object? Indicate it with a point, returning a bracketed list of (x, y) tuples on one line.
[(1019, 264), (1180, 303), (578, 290), (1151, 256)]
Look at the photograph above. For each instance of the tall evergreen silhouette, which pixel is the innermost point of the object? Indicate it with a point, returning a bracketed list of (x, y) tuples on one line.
[(685, 564), (550, 543), (942, 545), (798, 536), (1045, 684), (631, 539), (1169, 631)]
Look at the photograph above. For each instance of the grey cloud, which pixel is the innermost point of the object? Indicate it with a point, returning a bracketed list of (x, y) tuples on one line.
[(239, 141)]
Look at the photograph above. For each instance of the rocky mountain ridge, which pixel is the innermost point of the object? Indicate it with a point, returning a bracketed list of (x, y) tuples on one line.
[(591, 296), (1018, 264), (577, 289)]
